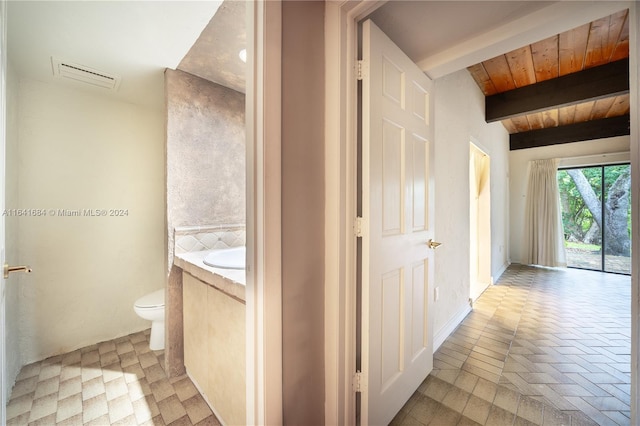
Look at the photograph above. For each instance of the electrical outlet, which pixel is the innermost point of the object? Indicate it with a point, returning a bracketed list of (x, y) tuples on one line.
[(436, 293)]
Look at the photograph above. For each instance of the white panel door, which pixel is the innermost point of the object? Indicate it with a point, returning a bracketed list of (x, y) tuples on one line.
[(397, 195)]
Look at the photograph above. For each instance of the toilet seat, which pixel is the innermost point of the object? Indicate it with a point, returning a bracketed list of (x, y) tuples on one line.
[(151, 307), (151, 300)]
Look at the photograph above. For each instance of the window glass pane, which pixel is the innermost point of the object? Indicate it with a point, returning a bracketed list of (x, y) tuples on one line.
[(596, 216), (581, 198), (617, 219)]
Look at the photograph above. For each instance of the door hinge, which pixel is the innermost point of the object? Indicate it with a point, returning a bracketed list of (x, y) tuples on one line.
[(359, 70), (357, 381), (358, 227)]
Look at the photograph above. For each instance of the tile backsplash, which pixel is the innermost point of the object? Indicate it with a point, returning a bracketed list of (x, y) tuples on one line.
[(197, 238)]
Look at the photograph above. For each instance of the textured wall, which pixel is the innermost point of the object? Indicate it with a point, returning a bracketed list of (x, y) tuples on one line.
[(459, 118), (206, 154), (303, 212), (79, 150), (205, 176), (209, 56)]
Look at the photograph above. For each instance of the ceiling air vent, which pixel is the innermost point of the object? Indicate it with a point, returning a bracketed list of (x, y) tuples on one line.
[(80, 73)]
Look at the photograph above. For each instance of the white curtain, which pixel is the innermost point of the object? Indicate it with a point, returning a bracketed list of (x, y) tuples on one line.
[(544, 240)]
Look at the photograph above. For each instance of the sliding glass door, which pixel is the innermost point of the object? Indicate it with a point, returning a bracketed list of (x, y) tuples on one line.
[(596, 216)]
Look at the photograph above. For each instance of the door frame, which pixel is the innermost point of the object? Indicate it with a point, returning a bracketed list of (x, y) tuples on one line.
[(264, 273), (474, 143), (341, 100), (341, 47)]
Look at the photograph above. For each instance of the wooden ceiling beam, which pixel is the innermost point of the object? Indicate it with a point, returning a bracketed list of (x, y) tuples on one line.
[(595, 83), (548, 21), (589, 130)]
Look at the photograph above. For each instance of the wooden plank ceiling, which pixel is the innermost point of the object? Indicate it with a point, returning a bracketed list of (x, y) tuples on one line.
[(597, 43)]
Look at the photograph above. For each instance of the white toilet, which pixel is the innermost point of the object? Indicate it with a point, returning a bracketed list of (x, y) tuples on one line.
[(151, 307)]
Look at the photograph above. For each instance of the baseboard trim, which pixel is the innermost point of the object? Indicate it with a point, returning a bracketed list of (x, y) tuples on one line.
[(451, 325), (503, 268)]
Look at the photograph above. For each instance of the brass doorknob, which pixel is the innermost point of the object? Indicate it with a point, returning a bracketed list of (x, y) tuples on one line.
[(433, 244), (9, 269)]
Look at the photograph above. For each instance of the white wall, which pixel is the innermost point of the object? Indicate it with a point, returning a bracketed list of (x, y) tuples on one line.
[(519, 166), (78, 150), (459, 118)]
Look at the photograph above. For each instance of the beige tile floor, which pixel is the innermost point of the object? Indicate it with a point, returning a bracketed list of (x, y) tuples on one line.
[(118, 382), (542, 347)]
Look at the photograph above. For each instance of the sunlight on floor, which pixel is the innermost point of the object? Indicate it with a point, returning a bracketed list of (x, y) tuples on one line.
[(115, 382)]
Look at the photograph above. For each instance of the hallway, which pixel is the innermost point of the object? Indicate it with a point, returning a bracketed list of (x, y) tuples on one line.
[(541, 347)]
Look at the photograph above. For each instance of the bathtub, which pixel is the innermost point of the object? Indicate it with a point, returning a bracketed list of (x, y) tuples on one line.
[(233, 258)]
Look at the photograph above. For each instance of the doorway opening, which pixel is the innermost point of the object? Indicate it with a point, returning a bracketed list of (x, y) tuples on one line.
[(479, 220), (596, 217)]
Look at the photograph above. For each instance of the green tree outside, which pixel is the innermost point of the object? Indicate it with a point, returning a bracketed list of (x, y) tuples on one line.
[(581, 195)]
